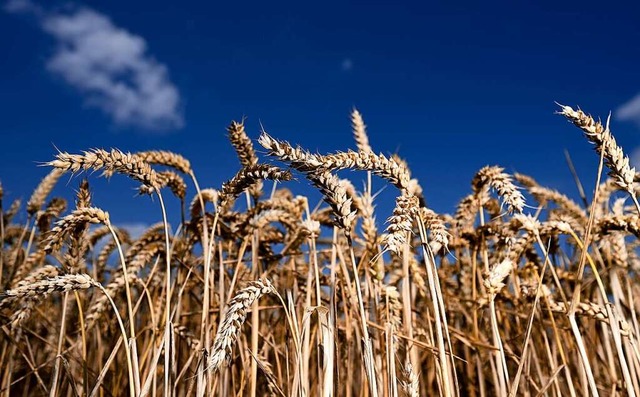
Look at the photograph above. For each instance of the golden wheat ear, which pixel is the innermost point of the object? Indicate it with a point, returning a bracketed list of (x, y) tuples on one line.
[(232, 321)]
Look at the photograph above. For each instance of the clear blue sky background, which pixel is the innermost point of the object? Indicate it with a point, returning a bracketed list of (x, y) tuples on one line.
[(451, 87)]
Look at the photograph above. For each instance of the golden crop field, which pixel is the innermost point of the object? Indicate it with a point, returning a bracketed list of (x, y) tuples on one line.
[(260, 291)]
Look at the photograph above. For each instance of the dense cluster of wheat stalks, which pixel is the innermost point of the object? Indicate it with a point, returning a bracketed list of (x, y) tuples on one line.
[(260, 292)]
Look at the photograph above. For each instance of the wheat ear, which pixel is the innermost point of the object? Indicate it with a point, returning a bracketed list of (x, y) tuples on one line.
[(108, 162), (359, 131), (166, 158), (494, 177), (69, 222), (605, 144), (41, 192), (233, 319)]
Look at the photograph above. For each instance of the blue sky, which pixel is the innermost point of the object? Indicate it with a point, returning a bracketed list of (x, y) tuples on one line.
[(451, 87)]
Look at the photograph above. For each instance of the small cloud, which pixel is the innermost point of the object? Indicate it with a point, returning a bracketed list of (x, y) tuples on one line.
[(135, 230), (347, 64), (109, 65), (630, 111), (22, 6), (634, 158)]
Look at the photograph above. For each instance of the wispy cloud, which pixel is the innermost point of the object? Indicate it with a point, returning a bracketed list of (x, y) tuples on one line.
[(109, 65), (22, 6), (630, 111), (135, 230), (634, 158), (347, 64)]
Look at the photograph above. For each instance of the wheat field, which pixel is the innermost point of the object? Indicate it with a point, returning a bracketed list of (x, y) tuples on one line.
[(263, 292)]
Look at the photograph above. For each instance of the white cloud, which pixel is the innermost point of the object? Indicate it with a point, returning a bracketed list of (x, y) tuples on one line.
[(634, 158), (135, 230), (22, 6), (347, 64), (630, 110), (109, 65)]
